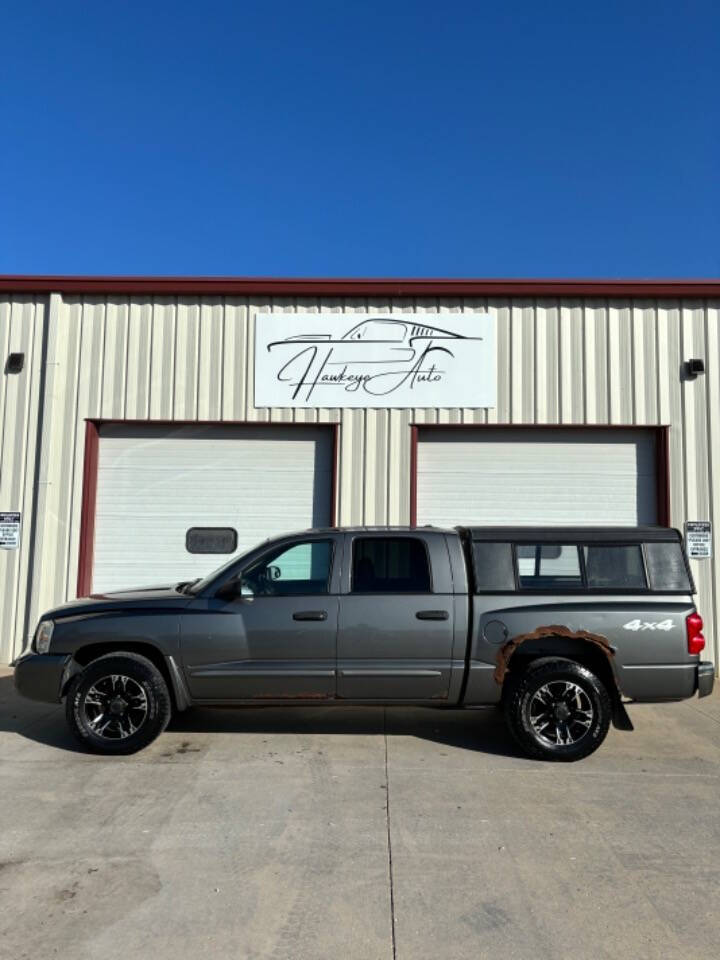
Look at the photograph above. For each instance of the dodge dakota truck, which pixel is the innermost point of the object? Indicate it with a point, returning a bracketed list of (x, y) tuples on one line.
[(560, 626)]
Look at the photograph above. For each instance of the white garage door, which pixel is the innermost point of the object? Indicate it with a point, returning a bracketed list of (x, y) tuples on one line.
[(541, 476), (156, 482)]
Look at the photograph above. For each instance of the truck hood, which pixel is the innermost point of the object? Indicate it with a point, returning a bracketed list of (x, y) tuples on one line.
[(137, 598)]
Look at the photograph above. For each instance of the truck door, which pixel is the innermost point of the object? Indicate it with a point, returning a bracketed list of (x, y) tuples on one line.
[(395, 629), (274, 637)]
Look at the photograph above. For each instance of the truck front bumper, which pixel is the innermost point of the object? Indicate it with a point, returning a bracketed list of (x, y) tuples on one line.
[(42, 676), (705, 678)]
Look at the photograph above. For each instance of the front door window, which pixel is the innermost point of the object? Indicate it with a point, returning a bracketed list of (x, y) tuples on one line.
[(302, 569)]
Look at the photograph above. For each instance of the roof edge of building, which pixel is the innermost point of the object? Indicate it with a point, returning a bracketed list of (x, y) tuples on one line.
[(361, 286)]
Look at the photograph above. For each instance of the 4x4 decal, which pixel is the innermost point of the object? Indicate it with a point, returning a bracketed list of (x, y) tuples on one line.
[(649, 625)]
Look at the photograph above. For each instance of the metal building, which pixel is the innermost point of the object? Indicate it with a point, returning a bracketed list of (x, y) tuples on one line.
[(138, 443)]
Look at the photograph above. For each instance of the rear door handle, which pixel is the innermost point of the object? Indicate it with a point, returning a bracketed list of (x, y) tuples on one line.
[(432, 615), (310, 615)]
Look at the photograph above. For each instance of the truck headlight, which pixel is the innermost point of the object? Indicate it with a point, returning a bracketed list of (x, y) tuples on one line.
[(43, 635)]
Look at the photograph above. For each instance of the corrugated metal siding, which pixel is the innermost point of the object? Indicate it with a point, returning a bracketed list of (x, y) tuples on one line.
[(21, 331), (565, 361)]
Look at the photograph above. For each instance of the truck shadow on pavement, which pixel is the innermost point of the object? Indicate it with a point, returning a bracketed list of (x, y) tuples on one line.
[(477, 731)]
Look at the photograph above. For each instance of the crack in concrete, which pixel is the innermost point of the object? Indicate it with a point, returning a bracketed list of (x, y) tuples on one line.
[(703, 713), (389, 840)]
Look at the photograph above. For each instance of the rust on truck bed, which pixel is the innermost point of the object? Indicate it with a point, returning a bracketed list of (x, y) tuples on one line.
[(543, 633)]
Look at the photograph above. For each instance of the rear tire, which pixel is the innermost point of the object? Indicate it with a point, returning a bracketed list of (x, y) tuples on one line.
[(118, 704), (558, 710)]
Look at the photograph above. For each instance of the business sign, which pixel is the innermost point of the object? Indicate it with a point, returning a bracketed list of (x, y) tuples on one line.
[(9, 531), (698, 539), (375, 360)]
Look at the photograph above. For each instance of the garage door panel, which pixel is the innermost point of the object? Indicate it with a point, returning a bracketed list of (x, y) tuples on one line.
[(154, 483), (536, 476)]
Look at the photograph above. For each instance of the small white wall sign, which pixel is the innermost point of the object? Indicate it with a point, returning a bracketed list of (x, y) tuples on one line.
[(375, 360), (9, 531), (698, 539)]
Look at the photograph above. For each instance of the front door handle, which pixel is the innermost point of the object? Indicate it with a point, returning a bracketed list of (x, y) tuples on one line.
[(432, 615), (310, 615)]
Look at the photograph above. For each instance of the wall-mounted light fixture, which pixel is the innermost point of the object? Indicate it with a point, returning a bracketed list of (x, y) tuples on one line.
[(693, 368), (15, 362)]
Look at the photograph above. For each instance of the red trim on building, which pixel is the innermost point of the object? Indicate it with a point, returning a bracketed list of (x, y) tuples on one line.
[(662, 475), (361, 287), (662, 453), (87, 511), (413, 474), (90, 471), (334, 480)]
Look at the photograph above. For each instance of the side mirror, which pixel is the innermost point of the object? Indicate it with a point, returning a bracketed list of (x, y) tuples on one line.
[(231, 590), (272, 572)]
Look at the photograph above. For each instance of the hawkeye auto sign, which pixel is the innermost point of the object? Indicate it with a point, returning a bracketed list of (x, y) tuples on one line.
[(375, 360)]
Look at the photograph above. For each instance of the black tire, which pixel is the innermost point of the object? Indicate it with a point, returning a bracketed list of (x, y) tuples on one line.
[(558, 710), (118, 704)]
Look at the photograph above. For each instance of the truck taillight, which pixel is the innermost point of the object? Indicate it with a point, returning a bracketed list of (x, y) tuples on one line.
[(695, 639)]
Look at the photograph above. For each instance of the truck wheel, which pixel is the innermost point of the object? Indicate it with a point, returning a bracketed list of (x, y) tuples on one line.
[(118, 704), (558, 710)]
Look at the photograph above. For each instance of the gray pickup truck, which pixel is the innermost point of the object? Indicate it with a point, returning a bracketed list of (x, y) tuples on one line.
[(559, 626)]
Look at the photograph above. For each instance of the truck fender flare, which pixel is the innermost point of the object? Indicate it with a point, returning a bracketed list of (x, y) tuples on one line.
[(620, 718), (548, 633)]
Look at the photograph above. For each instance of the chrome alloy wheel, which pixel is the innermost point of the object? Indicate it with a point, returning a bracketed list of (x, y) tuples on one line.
[(115, 707), (561, 713)]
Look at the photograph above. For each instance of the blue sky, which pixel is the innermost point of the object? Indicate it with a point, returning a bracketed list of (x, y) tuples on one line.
[(350, 139)]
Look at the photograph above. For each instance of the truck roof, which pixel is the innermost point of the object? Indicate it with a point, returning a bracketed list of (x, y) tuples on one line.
[(529, 534), (377, 528), (642, 534)]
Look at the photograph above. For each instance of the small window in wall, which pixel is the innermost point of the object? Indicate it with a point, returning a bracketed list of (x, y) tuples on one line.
[(614, 567), (390, 565), (211, 540), (666, 567), (493, 567), (548, 567)]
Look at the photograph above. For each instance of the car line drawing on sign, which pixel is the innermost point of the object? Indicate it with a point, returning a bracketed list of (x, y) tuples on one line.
[(403, 340), (376, 356)]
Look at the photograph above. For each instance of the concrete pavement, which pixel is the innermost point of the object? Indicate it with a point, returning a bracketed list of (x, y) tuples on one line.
[(358, 833)]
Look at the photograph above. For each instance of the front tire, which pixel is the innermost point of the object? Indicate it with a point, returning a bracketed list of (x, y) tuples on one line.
[(558, 710), (118, 704)]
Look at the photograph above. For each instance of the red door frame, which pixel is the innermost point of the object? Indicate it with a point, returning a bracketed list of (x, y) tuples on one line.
[(662, 453), (90, 470)]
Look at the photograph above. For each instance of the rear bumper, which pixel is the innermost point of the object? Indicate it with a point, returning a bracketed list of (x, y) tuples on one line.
[(42, 676), (705, 678)]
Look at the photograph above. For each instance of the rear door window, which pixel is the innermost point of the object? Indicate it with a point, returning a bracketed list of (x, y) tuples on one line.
[(548, 566), (390, 565), (614, 567)]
